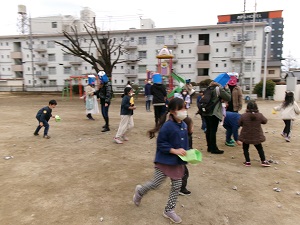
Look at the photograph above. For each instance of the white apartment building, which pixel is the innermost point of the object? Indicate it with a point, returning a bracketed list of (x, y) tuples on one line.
[(200, 52)]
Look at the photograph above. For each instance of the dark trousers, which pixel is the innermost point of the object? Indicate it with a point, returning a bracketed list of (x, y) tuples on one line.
[(159, 110), (184, 178), (229, 133), (212, 123), (287, 128), (104, 111), (46, 125), (258, 147), (148, 103), (203, 125)]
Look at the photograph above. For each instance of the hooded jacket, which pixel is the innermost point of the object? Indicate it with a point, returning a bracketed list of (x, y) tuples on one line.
[(159, 93)]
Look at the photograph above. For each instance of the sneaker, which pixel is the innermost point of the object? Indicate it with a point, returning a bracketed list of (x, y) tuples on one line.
[(230, 144), (125, 138), (172, 216), (283, 134), (265, 163), (117, 140), (137, 197), (232, 141), (105, 129), (184, 192), (247, 164), (287, 139), (35, 134), (46, 136)]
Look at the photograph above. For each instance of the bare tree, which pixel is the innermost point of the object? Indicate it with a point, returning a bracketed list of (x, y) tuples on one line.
[(104, 44), (288, 63)]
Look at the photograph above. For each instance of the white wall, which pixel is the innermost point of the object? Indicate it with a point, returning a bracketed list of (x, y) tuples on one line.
[(280, 92)]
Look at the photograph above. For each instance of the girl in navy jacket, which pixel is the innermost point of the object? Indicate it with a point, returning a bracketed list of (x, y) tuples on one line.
[(172, 141)]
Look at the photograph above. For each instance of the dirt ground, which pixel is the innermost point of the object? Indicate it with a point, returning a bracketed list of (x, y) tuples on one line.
[(79, 176)]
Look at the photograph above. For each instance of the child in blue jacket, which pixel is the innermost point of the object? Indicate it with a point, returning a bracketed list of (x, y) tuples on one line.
[(172, 141), (231, 124)]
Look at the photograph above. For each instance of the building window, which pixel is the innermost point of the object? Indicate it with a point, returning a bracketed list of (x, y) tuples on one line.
[(190, 50), (50, 44), (122, 81), (248, 67), (115, 67), (66, 42), (217, 65), (217, 50), (67, 70), (115, 81), (122, 67), (190, 65), (248, 51), (182, 36), (271, 71), (226, 34), (66, 57), (52, 70), (181, 51), (225, 65), (160, 40), (181, 66), (142, 40), (54, 24), (51, 57), (190, 36), (142, 54), (52, 82), (225, 49), (142, 69), (217, 34)]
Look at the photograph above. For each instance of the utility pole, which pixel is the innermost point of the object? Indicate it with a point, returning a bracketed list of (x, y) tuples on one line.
[(253, 36), (242, 47), (31, 50)]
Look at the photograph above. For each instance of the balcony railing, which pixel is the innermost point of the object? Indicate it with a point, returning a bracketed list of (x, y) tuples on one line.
[(41, 74), (130, 45), (41, 61), (40, 48), (131, 58), (236, 56), (16, 55)]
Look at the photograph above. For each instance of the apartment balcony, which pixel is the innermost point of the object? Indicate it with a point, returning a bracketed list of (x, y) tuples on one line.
[(41, 74), (131, 59), (131, 73), (17, 68), (130, 45), (41, 62), (203, 64), (40, 48), (16, 55), (171, 43), (75, 60), (203, 49), (236, 56), (236, 40)]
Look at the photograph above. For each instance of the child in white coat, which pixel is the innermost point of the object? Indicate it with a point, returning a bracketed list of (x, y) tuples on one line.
[(288, 109)]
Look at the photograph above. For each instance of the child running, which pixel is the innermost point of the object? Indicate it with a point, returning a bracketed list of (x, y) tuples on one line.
[(126, 123), (172, 141), (252, 132), (288, 109), (43, 116)]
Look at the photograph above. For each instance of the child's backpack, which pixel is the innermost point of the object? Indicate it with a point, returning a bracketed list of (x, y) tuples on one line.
[(206, 105)]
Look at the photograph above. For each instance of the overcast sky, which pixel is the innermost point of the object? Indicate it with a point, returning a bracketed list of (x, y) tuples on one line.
[(120, 14)]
